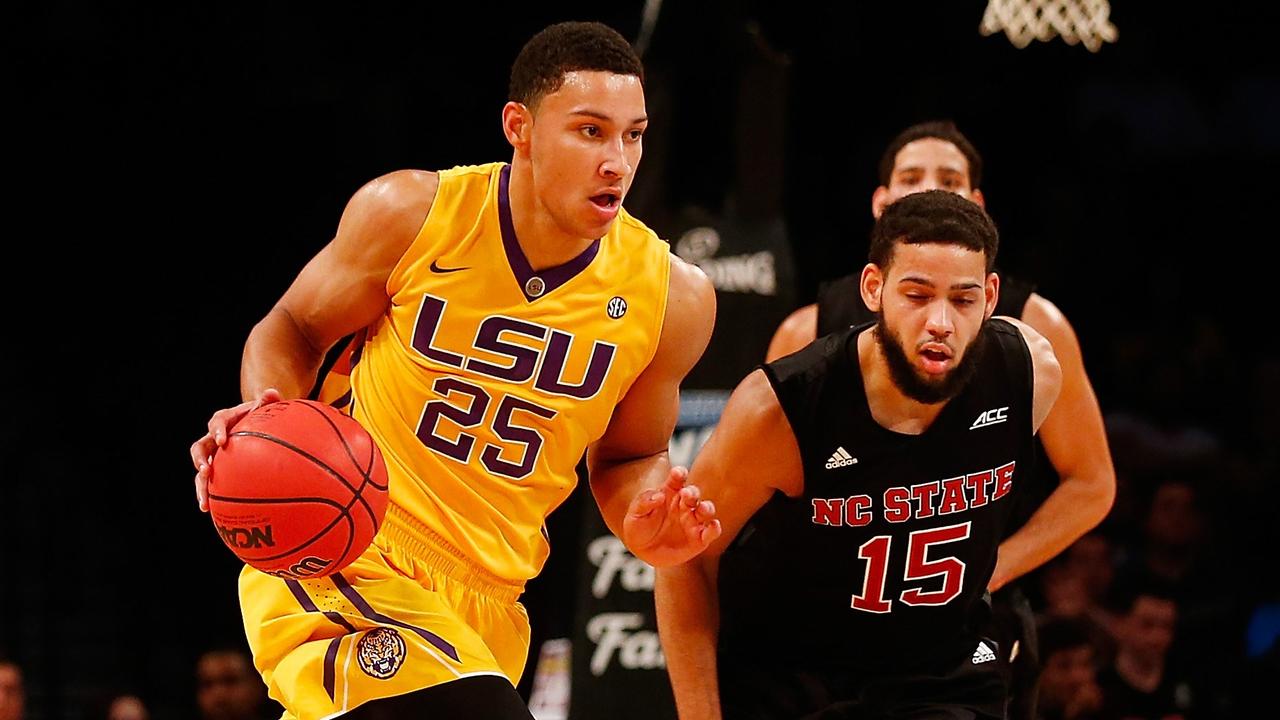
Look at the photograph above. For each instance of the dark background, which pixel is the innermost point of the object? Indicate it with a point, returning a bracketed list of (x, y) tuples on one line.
[(170, 169)]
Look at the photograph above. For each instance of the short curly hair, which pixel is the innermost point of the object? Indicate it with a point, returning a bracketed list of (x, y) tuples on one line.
[(562, 48), (933, 216)]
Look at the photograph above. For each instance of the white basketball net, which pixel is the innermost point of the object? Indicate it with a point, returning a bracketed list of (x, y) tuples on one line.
[(1022, 21)]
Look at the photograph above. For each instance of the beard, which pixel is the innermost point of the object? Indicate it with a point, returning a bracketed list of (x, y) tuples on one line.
[(922, 388)]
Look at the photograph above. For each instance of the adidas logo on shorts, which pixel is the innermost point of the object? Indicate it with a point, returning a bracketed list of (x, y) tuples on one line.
[(840, 458), (983, 654)]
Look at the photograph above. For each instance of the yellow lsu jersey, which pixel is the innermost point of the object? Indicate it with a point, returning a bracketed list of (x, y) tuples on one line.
[(485, 381)]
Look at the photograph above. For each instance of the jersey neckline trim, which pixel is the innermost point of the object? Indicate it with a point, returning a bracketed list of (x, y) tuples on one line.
[(534, 284)]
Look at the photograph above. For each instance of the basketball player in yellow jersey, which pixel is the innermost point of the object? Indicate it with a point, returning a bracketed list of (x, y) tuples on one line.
[(516, 316)]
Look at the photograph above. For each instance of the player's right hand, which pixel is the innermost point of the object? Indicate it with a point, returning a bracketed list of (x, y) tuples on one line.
[(669, 525), (203, 450)]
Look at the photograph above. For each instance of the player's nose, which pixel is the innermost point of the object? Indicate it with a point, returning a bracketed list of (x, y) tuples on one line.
[(615, 163), (940, 322)]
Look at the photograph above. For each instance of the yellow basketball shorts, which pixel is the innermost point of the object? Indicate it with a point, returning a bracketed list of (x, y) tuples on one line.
[(410, 613)]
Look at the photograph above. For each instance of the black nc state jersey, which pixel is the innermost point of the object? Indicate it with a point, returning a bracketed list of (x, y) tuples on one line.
[(884, 560), (840, 305)]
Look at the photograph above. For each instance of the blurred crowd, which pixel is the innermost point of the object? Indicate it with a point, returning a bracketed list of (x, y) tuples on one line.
[(1171, 608), (227, 688)]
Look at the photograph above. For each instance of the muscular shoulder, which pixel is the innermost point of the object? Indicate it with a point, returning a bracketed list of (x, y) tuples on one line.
[(799, 329), (755, 404), (1050, 322), (753, 418), (690, 316), (1037, 344), (384, 216), (1046, 318), (1048, 372), (400, 196), (691, 300)]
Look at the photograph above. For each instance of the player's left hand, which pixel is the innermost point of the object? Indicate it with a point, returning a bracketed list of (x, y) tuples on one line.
[(203, 450), (670, 524)]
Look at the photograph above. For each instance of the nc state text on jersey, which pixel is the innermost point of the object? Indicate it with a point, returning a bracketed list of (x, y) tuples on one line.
[(925, 500)]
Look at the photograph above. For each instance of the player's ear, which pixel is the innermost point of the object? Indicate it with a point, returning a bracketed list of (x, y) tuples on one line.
[(977, 197), (517, 125), (872, 285), (992, 290), (879, 201)]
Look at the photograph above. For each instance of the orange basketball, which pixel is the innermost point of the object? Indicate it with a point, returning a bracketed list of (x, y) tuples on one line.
[(299, 490)]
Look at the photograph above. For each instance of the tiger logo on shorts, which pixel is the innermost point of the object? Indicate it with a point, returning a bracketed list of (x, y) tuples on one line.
[(381, 652)]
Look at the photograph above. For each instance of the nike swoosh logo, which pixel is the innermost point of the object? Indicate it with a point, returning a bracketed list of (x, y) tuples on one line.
[(437, 269)]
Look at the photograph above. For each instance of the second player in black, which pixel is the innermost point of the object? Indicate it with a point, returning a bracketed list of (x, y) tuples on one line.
[(864, 485)]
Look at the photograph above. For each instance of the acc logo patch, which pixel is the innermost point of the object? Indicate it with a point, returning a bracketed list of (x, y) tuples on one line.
[(381, 652)]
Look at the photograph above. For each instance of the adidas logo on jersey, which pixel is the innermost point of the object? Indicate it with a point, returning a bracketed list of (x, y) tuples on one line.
[(840, 458), (994, 416), (983, 654)]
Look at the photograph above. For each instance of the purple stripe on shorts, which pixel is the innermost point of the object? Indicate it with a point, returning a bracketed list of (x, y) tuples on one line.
[(330, 663), (307, 604), (331, 654), (367, 610), (341, 402)]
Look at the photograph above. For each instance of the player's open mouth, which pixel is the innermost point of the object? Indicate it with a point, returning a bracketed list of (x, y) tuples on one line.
[(607, 200), (936, 358)]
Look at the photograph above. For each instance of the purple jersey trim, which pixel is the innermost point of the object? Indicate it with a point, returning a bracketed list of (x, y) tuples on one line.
[(552, 278), (330, 655), (353, 596)]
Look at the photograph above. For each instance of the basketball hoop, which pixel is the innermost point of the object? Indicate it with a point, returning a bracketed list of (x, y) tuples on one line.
[(1084, 21)]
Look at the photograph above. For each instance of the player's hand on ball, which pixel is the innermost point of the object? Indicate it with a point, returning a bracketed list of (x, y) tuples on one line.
[(671, 524), (202, 450), (299, 490)]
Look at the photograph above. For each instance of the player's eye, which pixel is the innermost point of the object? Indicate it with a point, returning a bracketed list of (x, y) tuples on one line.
[(590, 131)]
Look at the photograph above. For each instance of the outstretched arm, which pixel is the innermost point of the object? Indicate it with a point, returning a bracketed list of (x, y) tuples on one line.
[(730, 469), (342, 289), (1076, 443), (645, 501)]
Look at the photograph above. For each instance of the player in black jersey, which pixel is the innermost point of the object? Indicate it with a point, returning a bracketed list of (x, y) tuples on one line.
[(937, 156), (864, 485)]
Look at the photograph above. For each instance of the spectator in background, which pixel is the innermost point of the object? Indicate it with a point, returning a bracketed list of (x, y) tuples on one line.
[(127, 707), (229, 688), (1139, 683), (1063, 591), (116, 704), (1069, 671), (13, 696), (1173, 533), (1077, 584), (1175, 552), (1065, 596), (1092, 560)]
